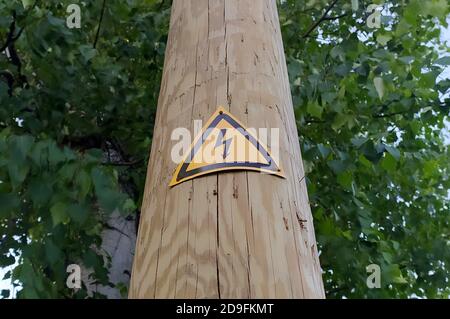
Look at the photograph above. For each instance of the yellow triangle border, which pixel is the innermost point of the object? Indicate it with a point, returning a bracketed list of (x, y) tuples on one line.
[(221, 110)]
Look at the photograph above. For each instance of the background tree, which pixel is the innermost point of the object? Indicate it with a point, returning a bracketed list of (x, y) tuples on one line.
[(76, 117)]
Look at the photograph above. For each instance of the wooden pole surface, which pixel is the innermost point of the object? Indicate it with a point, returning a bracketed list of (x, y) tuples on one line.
[(236, 234)]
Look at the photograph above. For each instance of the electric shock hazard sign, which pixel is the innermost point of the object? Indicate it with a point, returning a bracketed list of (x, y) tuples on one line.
[(224, 144)]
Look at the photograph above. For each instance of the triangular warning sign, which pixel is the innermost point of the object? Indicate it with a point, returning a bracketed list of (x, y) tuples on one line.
[(224, 144)]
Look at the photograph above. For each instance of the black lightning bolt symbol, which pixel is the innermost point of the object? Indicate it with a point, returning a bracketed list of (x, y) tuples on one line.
[(222, 141)]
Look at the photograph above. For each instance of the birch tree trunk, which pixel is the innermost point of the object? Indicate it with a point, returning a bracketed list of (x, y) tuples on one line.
[(227, 235), (118, 241)]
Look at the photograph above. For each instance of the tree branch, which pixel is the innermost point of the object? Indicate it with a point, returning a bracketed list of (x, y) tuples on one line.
[(322, 18), (83, 142), (13, 57), (10, 36), (336, 17), (131, 163), (314, 121), (9, 78), (337, 289), (378, 116), (161, 5), (100, 23)]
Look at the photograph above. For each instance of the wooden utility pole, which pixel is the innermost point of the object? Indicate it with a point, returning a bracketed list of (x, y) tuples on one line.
[(238, 234)]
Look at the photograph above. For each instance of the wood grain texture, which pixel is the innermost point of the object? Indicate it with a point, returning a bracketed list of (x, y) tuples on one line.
[(235, 234)]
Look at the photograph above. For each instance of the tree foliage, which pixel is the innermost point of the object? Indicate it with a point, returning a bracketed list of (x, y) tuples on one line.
[(370, 115), (75, 132), (77, 113)]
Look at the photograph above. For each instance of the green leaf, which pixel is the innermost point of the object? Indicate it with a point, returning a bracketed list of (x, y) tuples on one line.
[(428, 79), (83, 180), (345, 179), (314, 109), (387, 257), (8, 203), (17, 173), (347, 234), (5, 293), (407, 59), (430, 168), (436, 8), (20, 146), (443, 61), (393, 151), (129, 206), (55, 21), (379, 86), (389, 163), (337, 166), (55, 154), (52, 252), (383, 39), (123, 289), (39, 191), (67, 172), (27, 3), (7, 260), (91, 259), (364, 161), (359, 141), (59, 213), (324, 150), (78, 213), (88, 52), (393, 274), (109, 198), (39, 153), (339, 120)]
